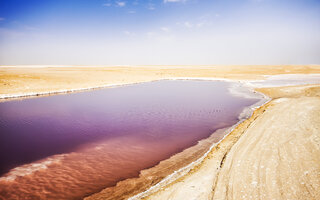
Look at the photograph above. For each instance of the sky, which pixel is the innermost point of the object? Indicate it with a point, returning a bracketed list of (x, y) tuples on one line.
[(159, 32)]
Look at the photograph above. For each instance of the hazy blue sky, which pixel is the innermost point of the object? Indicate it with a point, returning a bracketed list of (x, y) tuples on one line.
[(120, 32)]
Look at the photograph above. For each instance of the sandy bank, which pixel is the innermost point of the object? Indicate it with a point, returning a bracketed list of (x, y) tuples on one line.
[(273, 155)]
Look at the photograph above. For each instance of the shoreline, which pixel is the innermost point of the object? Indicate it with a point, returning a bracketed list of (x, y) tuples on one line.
[(25, 81), (247, 113), (61, 92), (245, 83), (233, 134), (67, 91)]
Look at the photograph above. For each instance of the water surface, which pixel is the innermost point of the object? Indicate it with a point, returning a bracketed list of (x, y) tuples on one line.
[(69, 146)]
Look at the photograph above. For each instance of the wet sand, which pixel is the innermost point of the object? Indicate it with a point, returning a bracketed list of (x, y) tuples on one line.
[(275, 154)]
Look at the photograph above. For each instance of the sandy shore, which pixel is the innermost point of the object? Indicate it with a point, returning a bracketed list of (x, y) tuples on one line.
[(273, 154)]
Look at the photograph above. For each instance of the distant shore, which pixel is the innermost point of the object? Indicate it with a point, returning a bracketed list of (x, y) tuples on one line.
[(28, 81)]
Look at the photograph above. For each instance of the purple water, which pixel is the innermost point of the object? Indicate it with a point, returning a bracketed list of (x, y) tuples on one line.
[(93, 139)]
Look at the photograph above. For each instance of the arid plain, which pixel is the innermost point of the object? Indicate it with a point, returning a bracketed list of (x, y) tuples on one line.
[(274, 154)]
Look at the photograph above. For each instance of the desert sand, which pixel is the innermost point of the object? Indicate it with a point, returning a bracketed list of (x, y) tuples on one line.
[(275, 154)]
